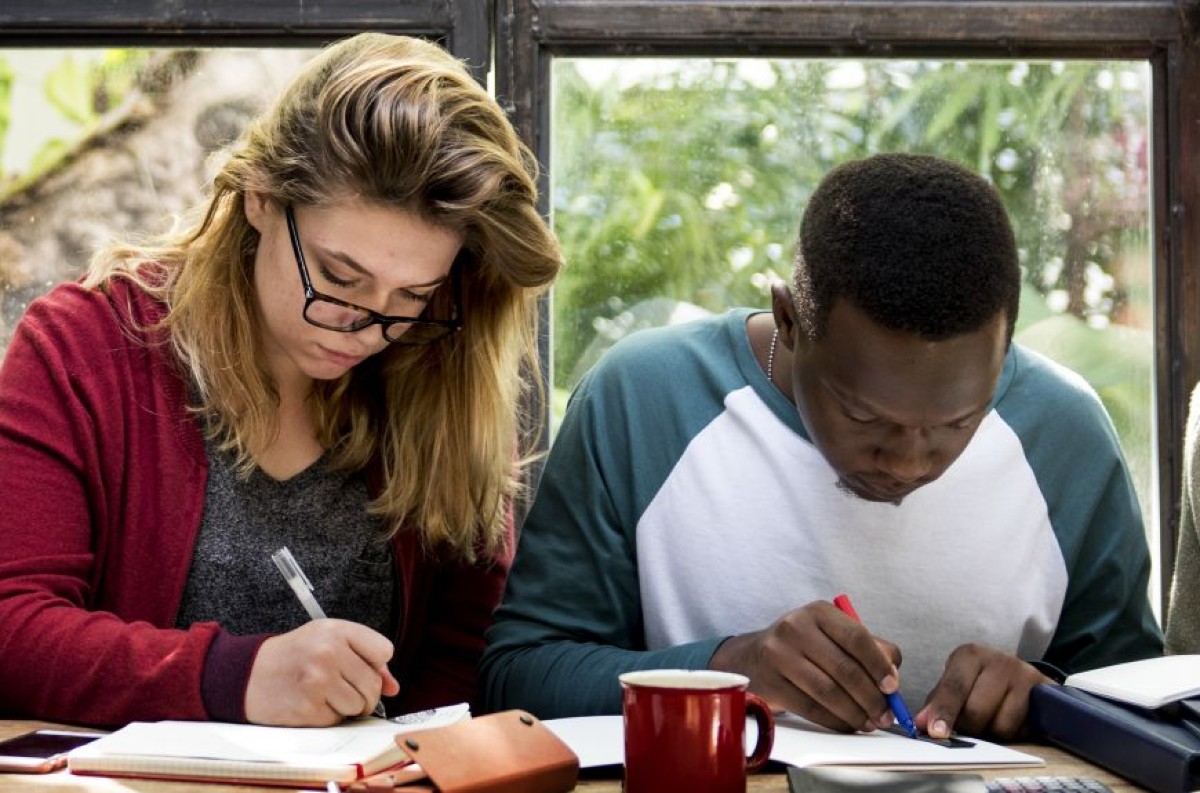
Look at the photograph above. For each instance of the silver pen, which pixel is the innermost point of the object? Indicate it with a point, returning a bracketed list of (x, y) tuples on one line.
[(303, 588)]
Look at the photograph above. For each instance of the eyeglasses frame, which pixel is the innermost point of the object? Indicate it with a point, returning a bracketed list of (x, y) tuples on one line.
[(312, 295)]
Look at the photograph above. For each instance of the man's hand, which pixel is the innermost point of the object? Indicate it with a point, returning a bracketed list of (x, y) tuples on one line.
[(819, 663), (983, 691), (319, 674)]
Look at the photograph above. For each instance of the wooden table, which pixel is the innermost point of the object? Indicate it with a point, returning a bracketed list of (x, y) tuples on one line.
[(1058, 763)]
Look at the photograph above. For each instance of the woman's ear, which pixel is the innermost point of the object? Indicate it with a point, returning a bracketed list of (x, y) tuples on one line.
[(783, 308), (258, 208)]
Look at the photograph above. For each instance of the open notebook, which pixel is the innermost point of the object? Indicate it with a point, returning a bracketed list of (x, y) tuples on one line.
[(249, 753), (599, 740)]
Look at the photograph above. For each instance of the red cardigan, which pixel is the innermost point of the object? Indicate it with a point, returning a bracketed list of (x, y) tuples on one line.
[(102, 482)]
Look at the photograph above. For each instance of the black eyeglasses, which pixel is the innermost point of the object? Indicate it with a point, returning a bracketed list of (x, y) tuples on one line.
[(331, 313)]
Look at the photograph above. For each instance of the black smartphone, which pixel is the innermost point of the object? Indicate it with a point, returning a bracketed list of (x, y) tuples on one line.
[(40, 751)]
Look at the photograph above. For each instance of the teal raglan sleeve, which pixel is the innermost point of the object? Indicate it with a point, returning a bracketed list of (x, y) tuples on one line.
[(1106, 616), (571, 618)]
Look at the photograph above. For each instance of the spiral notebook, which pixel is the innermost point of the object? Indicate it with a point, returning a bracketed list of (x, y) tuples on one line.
[(254, 754)]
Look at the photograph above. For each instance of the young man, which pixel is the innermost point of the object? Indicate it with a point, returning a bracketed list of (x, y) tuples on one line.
[(715, 485)]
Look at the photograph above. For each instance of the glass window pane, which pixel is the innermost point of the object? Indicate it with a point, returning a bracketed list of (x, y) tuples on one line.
[(98, 144), (678, 185)]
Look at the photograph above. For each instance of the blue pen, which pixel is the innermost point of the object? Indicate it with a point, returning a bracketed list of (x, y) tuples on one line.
[(895, 701)]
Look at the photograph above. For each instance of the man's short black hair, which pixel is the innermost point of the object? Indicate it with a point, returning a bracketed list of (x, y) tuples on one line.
[(917, 243)]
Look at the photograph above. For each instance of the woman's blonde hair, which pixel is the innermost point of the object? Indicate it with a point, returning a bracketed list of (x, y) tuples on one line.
[(399, 122)]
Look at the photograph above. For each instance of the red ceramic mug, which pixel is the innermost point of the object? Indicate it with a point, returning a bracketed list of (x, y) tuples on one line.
[(686, 730)]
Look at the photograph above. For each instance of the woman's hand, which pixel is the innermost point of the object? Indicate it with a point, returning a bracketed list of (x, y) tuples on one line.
[(319, 674)]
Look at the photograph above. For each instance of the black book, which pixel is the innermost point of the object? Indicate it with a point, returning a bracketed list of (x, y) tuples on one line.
[(1158, 748)]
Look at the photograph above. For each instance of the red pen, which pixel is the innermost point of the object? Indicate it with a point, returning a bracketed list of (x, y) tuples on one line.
[(895, 701)]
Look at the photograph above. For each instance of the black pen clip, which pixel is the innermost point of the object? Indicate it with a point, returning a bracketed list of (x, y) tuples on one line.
[(948, 743)]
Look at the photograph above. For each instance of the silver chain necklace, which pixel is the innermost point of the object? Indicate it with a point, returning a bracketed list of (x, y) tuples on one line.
[(771, 355)]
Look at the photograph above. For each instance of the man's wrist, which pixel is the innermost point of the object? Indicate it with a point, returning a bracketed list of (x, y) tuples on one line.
[(730, 654)]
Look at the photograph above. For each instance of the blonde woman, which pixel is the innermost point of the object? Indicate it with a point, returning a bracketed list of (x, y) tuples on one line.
[(327, 359)]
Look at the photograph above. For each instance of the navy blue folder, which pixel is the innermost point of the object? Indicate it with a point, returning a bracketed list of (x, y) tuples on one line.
[(1157, 749)]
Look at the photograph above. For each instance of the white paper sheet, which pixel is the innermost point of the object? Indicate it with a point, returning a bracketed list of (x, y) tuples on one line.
[(1150, 683), (600, 740)]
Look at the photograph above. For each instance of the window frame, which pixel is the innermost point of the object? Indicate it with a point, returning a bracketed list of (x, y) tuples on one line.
[(463, 26), (1165, 33)]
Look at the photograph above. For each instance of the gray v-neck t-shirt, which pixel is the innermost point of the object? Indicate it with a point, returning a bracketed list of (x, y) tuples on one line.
[(321, 516)]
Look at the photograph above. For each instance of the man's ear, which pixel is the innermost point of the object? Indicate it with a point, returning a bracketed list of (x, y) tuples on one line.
[(783, 308), (259, 208)]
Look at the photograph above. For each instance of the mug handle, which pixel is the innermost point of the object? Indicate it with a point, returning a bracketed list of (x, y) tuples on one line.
[(757, 707)]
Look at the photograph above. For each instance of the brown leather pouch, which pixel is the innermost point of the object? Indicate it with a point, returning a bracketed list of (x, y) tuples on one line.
[(507, 752)]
